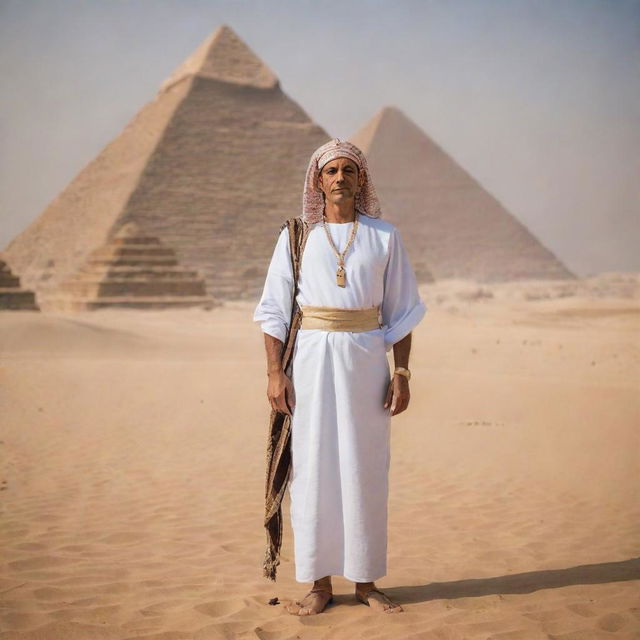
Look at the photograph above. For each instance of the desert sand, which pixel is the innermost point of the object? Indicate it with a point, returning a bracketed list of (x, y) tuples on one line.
[(133, 448)]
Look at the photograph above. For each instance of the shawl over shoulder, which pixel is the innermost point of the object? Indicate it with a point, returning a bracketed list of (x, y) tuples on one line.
[(279, 440)]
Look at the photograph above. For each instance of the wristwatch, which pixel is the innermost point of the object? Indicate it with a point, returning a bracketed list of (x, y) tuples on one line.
[(403, 372)]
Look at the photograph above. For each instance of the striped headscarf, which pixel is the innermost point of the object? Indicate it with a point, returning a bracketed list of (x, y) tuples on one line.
[(313, 198)]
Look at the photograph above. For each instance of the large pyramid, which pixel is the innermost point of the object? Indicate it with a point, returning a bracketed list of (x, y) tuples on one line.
[(452, 226), (211, 167)]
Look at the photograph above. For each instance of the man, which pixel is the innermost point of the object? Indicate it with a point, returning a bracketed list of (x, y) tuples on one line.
[(359, 298)]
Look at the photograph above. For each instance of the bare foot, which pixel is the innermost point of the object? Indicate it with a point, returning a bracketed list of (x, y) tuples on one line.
[(314, 602), (377, 600)]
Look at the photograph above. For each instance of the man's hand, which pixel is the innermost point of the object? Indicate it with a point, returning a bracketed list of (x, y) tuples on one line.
[(397, 394), (280, 392)]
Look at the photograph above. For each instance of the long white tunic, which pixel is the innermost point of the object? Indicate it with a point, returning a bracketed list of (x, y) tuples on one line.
[(340, 430)]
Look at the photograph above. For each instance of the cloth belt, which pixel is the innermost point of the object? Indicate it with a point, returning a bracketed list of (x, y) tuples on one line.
[(338, 319)]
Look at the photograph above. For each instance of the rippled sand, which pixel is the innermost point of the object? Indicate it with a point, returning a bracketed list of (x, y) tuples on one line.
[(133, 447)]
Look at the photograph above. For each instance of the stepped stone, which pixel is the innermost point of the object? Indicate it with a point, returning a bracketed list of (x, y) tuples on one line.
[(452, 227), (141, 283), (12, 296), (211, 168)]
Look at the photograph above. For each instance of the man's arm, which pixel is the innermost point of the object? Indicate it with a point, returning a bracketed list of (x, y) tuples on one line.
[(279, 387), (398, 394), (401, 351)]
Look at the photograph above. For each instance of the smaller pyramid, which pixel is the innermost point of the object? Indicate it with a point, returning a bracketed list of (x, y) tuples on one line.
[(133, 270), (453, 227), (12, 296)]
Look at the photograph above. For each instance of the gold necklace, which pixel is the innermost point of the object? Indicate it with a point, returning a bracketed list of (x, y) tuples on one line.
[(341, 276)]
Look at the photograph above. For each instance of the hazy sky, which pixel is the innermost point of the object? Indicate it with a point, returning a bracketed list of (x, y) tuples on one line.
[(538, 99)]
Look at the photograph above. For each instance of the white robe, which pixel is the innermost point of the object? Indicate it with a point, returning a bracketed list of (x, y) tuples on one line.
[(340, 431)]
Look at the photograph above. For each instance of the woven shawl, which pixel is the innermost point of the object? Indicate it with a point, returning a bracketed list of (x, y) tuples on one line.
[(279, 440)]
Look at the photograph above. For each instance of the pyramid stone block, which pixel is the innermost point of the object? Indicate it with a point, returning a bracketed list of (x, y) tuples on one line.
[(12, 296), (133, 270)]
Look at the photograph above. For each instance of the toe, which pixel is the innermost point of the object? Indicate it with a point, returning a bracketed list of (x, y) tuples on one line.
[(294, 607)]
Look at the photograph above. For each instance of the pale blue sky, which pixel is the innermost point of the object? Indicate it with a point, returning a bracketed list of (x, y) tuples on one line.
[(537, 99)]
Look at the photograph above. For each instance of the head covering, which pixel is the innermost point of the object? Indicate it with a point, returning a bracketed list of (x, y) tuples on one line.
[(313, 197)]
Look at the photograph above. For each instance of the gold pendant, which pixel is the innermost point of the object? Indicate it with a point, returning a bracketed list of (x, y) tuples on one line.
[(341, 276)]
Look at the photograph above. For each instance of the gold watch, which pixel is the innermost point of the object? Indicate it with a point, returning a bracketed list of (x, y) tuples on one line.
[(403, 372)]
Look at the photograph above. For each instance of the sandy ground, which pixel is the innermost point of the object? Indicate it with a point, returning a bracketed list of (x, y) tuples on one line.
[(133, 447)]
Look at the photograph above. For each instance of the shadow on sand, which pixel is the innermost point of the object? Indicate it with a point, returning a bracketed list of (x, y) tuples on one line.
[(519, 582)]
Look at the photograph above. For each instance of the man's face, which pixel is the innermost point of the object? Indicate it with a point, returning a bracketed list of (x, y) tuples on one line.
[(340, 180)]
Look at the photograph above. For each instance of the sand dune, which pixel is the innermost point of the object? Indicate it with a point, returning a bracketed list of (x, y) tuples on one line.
[(132, 447)]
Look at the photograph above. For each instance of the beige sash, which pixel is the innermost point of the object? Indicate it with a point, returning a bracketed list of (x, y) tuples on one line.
[(338, 319)]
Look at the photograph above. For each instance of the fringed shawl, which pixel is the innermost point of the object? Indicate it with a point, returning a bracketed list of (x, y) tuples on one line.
[(279, 441)]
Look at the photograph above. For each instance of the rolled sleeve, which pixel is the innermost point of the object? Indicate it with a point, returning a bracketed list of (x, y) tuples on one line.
[(402, 308), (273, 312)]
